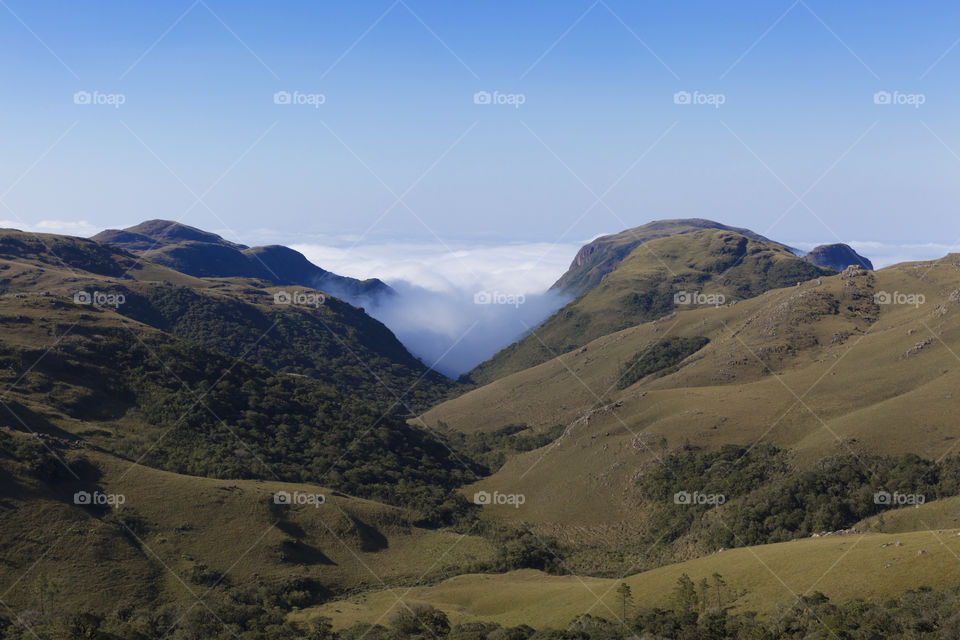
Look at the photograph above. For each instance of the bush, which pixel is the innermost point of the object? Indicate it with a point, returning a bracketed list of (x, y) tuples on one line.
[(419, 619)]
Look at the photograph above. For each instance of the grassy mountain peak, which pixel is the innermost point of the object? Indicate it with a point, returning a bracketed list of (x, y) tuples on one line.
[(601, 256), (704, 266)]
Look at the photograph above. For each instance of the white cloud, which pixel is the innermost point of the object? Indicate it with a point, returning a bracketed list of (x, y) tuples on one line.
[(513, 268), (435, 314), (62, 227)]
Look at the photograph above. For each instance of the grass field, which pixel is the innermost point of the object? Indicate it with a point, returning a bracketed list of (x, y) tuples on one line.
[(869, 566), (170, 524)]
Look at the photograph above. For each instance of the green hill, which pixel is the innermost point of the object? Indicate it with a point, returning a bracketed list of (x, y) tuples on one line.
[(691, 268), (196, 400), (176, 537), (827, 369), (871, 567), (211, 378), (331, 341), (601, 256)]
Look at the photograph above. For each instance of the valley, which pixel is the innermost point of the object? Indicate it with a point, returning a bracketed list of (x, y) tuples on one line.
[(720, 433)]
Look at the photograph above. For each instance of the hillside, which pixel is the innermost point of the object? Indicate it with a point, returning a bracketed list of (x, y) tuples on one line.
[(848, 365), (601, 256), (871, 567), (797, 405), (175, 536), (695, 267), (211, 377), (207, 255), (195, 401), (331, 341)]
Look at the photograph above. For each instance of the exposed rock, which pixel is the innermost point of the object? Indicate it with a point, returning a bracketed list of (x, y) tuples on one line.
[(915, 349)]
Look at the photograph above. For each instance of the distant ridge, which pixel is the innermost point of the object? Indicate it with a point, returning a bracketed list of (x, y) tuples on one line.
[(837, 257), (207, 255)]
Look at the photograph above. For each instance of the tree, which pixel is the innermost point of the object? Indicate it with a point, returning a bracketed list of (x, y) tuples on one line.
[(719, 583), (322, 629), (685, 595), (625, 595), (84, 624), (420, 619), (703, 591)]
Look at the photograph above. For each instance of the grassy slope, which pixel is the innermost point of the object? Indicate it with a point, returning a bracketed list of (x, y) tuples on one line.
[(601, 256), (336, 342), (842, 567), (227, 525), (938, 514), (642, 288), (827, 343), (230, 526)]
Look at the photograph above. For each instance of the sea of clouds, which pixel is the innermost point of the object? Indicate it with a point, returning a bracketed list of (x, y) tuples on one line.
[(456, 306)]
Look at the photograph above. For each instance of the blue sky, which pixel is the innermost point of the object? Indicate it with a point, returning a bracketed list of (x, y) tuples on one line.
[(399, 152)]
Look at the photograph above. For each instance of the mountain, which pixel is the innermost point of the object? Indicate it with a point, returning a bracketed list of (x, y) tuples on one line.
[(837, 257), (207, 409), (331, 340), (692, 266), (207, 255), (849, 378), (195, 402), (601, 256)]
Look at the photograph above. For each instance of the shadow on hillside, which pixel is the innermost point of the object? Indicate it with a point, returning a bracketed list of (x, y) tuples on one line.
[(297, 552), (20, 418), (371, 539)]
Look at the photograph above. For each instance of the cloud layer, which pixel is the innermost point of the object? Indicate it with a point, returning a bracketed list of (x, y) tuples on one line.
[(80, 228), (457, 306), (515, 268)]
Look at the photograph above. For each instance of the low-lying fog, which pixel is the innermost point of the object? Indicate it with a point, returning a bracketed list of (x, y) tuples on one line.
[(455, 308)]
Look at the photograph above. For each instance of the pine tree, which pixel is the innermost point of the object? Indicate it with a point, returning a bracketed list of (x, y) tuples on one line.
[(685, 595), (719, 583), (626, 597)]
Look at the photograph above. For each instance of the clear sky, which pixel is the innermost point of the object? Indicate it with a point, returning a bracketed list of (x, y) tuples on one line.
[(783, 133)]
